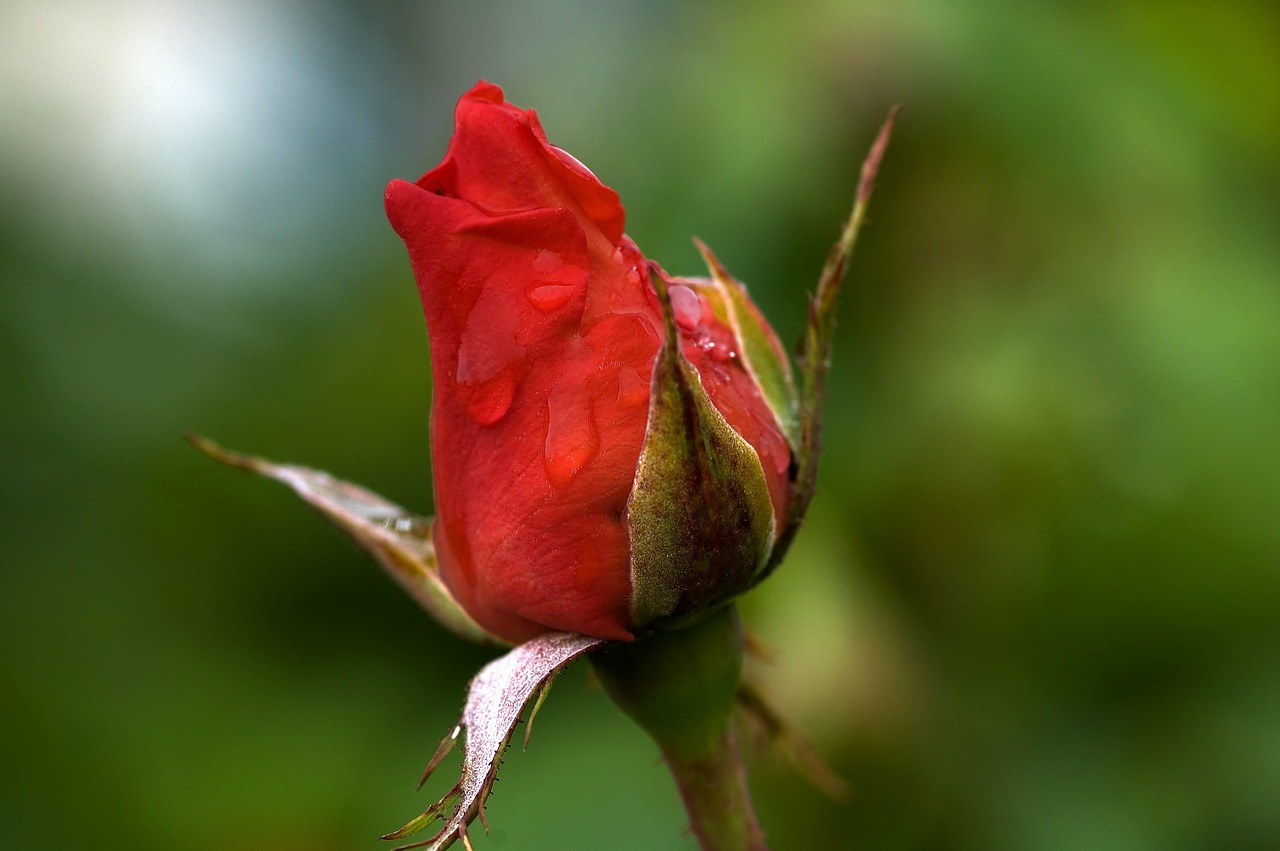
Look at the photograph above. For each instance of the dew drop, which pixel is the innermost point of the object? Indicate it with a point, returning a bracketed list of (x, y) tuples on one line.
[(687, 307), (557, 282), (550, 297), (588, 567), (489, 357), (547, 262), (632, 389), (717, 351), (488, 401), (572, 437)]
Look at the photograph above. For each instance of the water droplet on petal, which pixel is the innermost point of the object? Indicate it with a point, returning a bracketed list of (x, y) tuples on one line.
[(488, 401), (572, 437), (547, 298), (687, 307), (632, 389), (557, 282), (588, 567), (721, 351), (489, 357), (547, 262)]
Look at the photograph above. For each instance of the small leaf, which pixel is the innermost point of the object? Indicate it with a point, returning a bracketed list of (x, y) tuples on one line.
[(496, 698), (399, 541)]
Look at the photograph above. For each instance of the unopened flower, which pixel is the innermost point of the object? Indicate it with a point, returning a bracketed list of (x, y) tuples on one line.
[(618, 453), (595, 470)]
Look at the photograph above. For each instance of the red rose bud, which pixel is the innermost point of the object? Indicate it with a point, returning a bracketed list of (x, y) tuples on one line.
[(615, 450), (612, 446)]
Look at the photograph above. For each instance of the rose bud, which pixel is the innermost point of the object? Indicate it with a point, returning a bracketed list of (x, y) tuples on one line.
[(613, 447), (617, 452)]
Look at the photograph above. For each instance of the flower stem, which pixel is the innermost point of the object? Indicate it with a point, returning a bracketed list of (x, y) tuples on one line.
[(680, 686), (713, 786)]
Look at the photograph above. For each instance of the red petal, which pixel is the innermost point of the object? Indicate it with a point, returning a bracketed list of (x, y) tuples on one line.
[(500, 160), (534, 440)]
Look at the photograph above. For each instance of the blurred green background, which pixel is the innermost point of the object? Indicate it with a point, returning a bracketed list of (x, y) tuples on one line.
[(1038, 602)]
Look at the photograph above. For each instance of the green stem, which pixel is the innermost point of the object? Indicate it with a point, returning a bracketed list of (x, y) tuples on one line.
[(713, 786), (680, 686)]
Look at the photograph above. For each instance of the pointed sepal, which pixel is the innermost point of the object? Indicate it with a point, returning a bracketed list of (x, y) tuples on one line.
[(496, 698), (815, 345), (760, 351), (397, 539), (700, 519)]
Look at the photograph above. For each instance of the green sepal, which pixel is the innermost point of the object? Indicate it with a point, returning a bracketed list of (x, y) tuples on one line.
[(699, 514), (761, 353), (398, 540), (814, 355)]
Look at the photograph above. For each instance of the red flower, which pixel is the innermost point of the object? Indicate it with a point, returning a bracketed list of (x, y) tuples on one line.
[(546, 327)]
